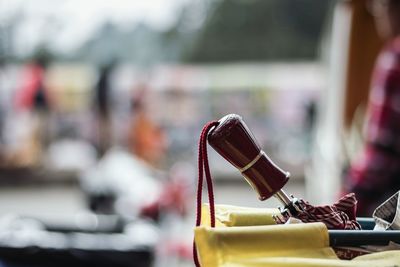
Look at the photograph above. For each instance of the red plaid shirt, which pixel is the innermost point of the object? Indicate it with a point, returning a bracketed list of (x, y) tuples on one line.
[(375, 174)]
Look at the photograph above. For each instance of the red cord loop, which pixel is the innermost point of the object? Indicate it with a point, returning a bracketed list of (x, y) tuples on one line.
[(204, 167)]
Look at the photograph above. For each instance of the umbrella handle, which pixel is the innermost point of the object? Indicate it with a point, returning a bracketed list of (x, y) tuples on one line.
[(233, 140)]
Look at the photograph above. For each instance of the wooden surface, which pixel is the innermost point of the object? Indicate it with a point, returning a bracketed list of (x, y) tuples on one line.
[(363, 48)]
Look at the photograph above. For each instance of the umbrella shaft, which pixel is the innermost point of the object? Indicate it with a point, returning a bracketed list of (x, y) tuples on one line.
[(292, 205), (354, 238), (283, 197)]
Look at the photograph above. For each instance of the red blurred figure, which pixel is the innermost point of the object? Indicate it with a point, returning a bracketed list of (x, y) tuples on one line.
[(375, 174), (32, 92), (176, 195)]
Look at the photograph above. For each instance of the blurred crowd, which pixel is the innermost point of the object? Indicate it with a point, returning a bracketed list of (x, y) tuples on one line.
[(40, 113)]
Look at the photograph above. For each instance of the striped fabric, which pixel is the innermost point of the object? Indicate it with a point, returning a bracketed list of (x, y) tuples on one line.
[(375, 174), (341, 215)]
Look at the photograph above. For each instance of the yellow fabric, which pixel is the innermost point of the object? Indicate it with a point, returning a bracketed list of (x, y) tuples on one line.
[(227, 215), (219, 245), (295, 245), (380, 259)]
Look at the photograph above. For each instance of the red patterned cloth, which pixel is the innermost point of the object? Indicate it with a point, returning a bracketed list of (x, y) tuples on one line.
[(375, 174), (341, 215)]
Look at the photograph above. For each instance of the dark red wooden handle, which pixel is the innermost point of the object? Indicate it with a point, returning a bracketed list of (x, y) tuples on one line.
[(233, 140)]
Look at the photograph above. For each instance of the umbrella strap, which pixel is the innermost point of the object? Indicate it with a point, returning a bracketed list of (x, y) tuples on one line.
[(204, 168)]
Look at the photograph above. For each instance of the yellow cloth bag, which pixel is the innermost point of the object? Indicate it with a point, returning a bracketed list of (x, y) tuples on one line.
[(233, 244)]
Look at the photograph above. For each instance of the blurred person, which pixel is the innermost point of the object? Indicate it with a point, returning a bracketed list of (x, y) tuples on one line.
[(32, 106), (375, 174), (103, 109), (147, 140), (32, 94)]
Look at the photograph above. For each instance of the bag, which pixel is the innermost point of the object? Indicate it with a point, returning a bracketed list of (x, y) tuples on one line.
[(239, 240)]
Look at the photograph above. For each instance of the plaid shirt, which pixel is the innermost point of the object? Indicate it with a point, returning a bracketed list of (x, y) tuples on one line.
[(375, 174)]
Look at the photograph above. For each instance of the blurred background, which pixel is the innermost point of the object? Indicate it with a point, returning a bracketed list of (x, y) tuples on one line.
[(102, 104)]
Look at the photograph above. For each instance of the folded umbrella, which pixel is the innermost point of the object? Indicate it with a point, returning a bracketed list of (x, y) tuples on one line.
[(233, 140), (341, 215)]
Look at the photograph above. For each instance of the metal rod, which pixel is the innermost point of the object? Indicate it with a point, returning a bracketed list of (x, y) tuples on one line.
[(354, 238), (283, 197)]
